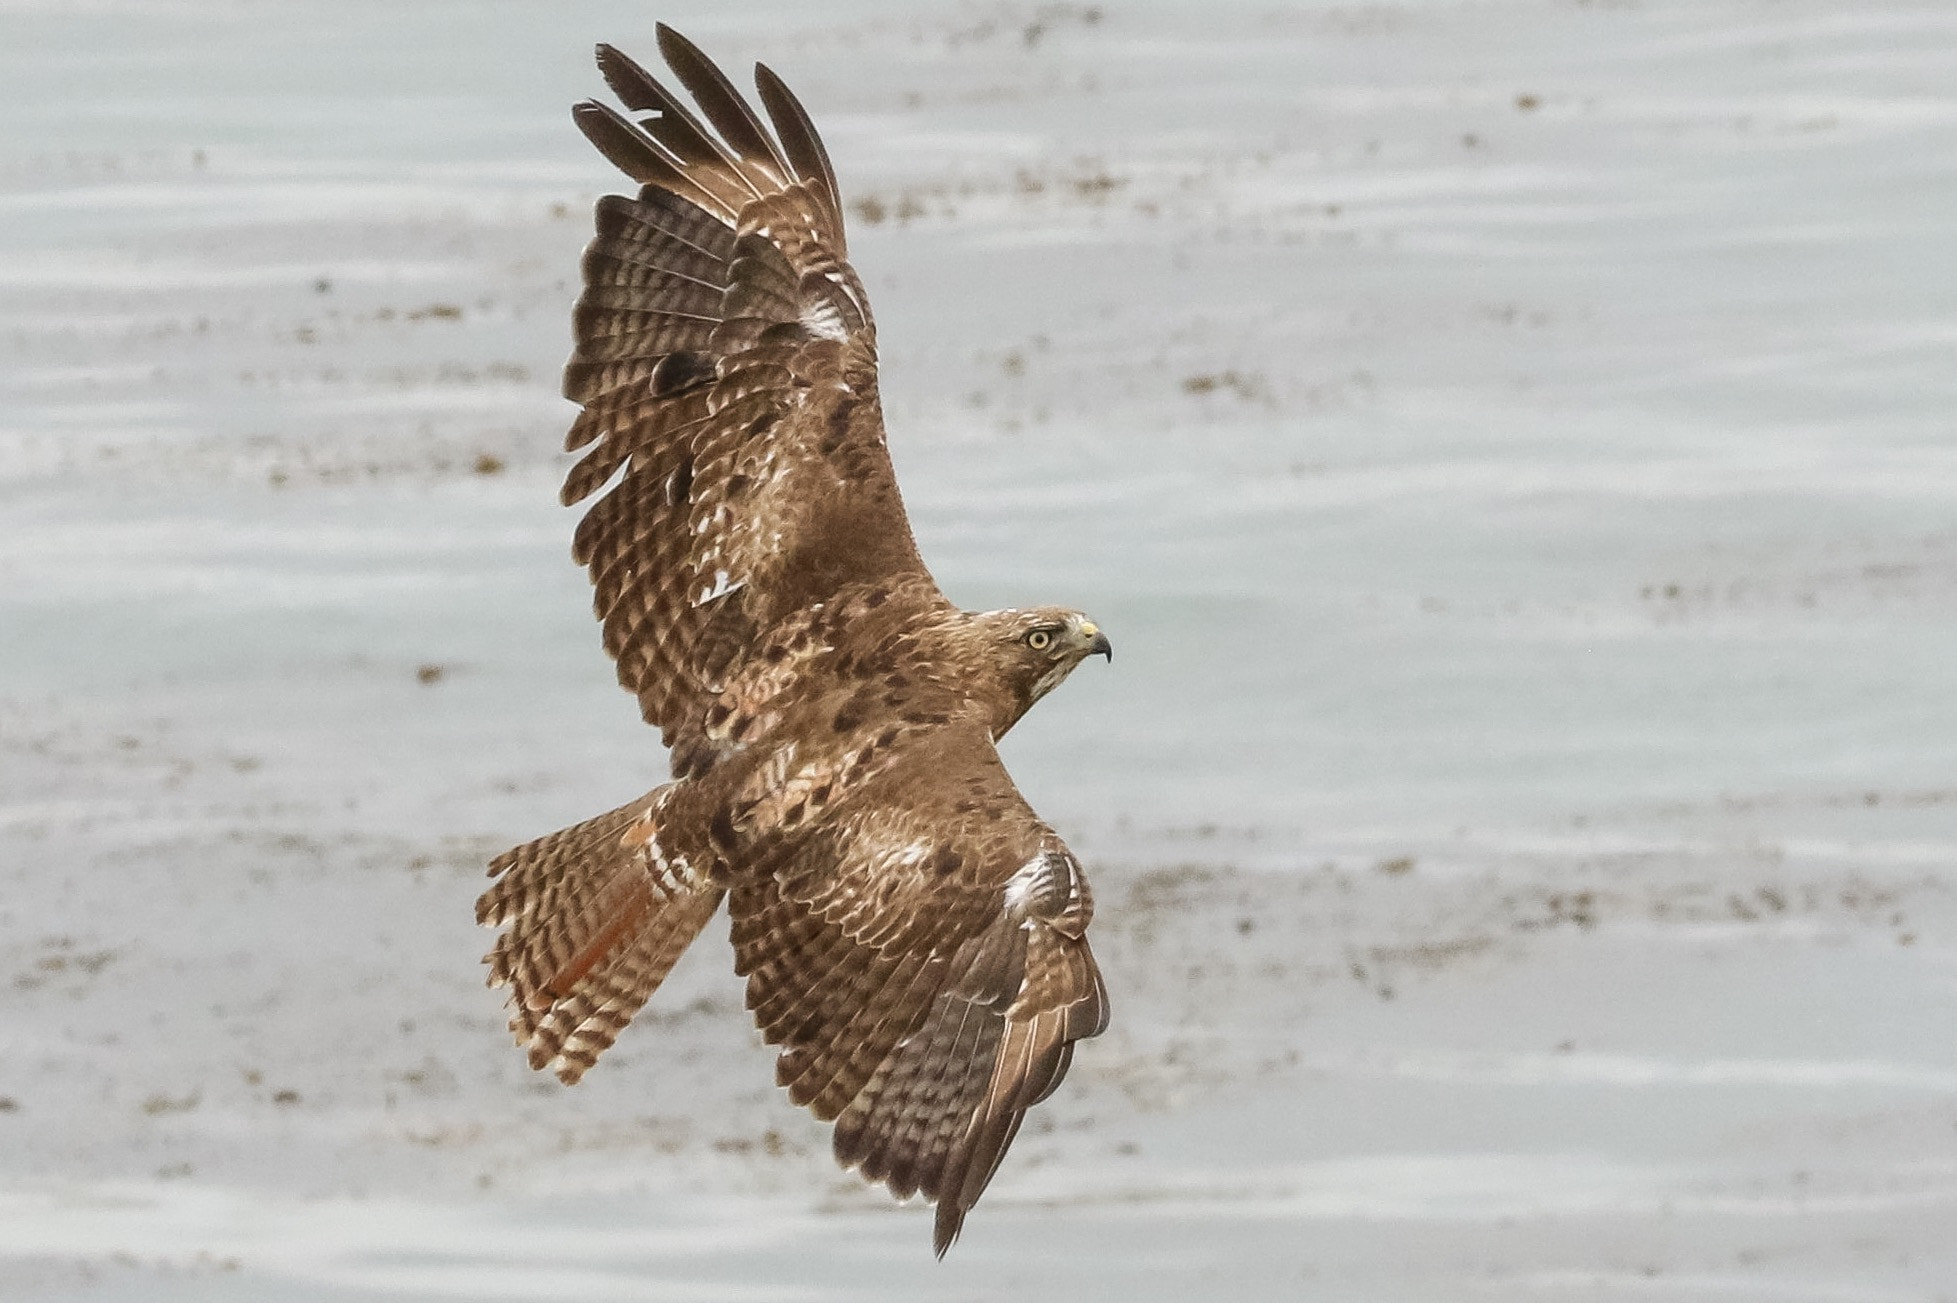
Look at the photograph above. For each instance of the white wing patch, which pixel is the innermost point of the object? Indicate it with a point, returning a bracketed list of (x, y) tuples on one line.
[(721, 587), (822, 320), (1048, 888), (1033, 881)]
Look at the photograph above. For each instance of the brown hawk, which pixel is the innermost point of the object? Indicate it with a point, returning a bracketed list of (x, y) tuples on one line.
[(913, 936)]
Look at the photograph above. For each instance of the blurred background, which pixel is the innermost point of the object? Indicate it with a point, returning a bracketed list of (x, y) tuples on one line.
[(1509, 443)]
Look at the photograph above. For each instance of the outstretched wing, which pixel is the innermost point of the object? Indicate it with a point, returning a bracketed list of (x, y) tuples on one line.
[(726, 360), (920, 956)]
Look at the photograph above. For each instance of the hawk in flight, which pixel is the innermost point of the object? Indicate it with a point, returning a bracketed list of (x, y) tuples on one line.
[(912, 935)]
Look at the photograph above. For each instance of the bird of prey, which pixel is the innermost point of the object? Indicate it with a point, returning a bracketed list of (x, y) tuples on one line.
[(912, 935)]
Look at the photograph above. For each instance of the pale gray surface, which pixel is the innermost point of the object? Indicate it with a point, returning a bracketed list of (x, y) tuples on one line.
[(1555, 492)]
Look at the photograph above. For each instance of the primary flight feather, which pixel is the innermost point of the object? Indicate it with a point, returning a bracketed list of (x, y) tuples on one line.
[(912, 935)]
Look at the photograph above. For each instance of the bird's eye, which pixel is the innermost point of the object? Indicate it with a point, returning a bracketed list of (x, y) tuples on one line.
[(1040, 639)]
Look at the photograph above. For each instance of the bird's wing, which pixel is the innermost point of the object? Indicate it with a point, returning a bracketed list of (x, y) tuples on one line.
[(914, 941), (726, 362)]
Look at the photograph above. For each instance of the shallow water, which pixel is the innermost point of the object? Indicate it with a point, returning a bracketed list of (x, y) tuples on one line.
[(1509, 445)]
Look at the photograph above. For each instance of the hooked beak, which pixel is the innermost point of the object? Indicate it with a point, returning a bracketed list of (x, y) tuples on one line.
[(1101, 646)]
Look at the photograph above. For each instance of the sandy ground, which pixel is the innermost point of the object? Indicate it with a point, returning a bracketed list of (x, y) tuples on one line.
[(1509, 443)]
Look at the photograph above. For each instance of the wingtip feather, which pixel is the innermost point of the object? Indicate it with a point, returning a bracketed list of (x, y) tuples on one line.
[(946, 1227)]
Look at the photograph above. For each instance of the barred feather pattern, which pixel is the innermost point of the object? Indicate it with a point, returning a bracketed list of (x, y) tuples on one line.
[(596, 916), (912, 935), (924, 966), (726, 364)]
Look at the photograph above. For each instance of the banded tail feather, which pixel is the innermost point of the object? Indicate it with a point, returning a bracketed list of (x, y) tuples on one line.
[(595, 915)]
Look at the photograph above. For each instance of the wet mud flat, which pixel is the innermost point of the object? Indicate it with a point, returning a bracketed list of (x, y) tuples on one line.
[(1496, 1081)]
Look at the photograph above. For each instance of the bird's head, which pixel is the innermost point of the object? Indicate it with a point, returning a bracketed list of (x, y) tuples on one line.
[(1034, 648)]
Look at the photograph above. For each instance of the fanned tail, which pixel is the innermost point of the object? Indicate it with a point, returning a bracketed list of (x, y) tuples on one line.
[(595, 915)]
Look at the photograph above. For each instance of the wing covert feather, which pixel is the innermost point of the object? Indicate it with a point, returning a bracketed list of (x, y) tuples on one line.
[(920, 958), (912, 934), (726, 364)]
